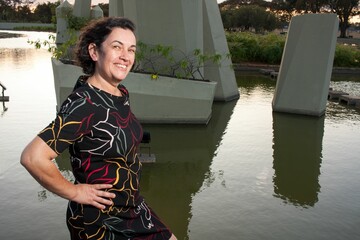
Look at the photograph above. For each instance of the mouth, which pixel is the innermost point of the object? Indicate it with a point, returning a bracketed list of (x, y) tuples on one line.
[(122, 66)]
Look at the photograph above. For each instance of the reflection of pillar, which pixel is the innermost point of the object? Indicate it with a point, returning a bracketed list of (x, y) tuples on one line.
[(183, 25), (183, 157), (306, 66), (297, 146)]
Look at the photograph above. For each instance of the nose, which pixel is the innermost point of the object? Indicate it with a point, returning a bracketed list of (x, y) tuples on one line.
[(124, 55)]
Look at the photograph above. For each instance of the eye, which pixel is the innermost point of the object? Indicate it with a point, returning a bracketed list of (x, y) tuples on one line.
[(117, 47)]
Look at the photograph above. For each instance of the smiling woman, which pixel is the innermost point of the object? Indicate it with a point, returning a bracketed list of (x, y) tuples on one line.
[(96, 124)]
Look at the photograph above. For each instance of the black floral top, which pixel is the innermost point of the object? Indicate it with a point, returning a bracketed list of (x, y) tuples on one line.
[(102, 136)]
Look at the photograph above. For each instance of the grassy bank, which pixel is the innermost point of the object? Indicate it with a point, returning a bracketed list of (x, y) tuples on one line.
[(37, 28), (268, 49)]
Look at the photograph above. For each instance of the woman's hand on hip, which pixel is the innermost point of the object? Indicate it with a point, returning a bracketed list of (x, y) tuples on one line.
[(94, 194)]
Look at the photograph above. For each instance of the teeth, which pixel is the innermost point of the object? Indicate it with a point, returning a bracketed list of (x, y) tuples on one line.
[(122, 66)]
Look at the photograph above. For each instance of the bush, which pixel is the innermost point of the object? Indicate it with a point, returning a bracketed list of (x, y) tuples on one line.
[(268, 49), (346, 56), (250, 47), (271, 48)]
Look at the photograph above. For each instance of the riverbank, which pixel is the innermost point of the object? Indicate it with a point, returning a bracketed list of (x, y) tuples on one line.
[(15, 25), (257, 67), (10, 35)]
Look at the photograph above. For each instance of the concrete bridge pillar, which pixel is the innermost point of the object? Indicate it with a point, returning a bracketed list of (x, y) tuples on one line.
[(186, 26), (304, 76)]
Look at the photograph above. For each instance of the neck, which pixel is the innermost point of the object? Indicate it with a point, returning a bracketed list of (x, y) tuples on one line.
[(104, 85)]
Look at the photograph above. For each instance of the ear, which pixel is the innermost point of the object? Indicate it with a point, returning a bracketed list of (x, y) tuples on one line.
[(93, 51)]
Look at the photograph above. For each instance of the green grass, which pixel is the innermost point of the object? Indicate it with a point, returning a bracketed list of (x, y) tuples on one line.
[(268, 49)]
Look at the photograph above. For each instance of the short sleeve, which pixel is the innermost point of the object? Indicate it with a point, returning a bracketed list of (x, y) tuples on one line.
[(74, 120)]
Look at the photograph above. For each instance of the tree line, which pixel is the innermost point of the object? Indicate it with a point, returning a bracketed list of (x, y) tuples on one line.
[(258, 15), (267, 15), (31, 11)]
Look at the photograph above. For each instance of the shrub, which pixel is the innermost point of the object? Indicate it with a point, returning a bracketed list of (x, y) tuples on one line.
[(243, 46), (346, 56), (268, 49), (271, 48)]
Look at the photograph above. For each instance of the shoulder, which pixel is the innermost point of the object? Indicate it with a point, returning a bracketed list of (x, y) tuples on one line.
[(123, 90), (80, 98)]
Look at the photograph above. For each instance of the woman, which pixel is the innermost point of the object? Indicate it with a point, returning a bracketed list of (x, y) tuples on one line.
[(97, 126)]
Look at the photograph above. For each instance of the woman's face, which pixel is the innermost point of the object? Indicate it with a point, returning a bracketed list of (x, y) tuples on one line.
[(116, 55)]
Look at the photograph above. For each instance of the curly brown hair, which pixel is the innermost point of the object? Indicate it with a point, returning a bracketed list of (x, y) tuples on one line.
[(96, 32)]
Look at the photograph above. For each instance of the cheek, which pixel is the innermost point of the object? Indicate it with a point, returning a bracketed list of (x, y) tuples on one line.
[(132, 58)]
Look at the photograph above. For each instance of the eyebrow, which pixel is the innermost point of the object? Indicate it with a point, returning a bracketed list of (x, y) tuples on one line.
[(121, 43)]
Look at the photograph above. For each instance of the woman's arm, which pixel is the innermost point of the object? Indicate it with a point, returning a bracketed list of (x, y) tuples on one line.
[(37, 159)]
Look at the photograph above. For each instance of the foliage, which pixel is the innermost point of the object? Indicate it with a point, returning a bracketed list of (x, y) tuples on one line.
[(344, 10), (346, 56), (271, 48), (268, 49), (249, 16), (285, 9), (45, 12), (63, 51), (165, 60), (250, 47), (21, 11)]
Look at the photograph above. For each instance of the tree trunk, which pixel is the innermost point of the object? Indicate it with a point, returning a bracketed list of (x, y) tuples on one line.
[(343, 27)]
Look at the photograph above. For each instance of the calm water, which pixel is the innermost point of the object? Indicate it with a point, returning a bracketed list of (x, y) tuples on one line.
[(249, 174)]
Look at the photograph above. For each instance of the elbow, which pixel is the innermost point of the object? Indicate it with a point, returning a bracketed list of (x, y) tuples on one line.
[(25, 159)]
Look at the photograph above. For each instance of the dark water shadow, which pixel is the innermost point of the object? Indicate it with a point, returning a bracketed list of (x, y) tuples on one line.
[(4, 109), (297, 156), (184, 154)]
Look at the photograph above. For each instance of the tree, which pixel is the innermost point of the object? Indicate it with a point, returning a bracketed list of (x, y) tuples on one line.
[(23, 14), (45, 12), (344, 9), (249, 17), (283, 9), (309, 6), (9, 9)]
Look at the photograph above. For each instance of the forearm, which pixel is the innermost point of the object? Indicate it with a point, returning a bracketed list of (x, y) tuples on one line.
[(37, 159), (48, 175)]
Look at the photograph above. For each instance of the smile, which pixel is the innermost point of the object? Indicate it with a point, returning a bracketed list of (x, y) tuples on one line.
[(121, 66)]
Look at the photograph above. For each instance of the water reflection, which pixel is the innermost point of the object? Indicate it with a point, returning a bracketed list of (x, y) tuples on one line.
[(297, 155), (183, 158), (15, 57), (4, 109)]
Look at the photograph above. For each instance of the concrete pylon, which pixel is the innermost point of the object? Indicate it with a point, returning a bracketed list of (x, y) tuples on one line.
[(306, 66), (184, 25), (62, 12), (96, 12), (215, 42), (82, 8)]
